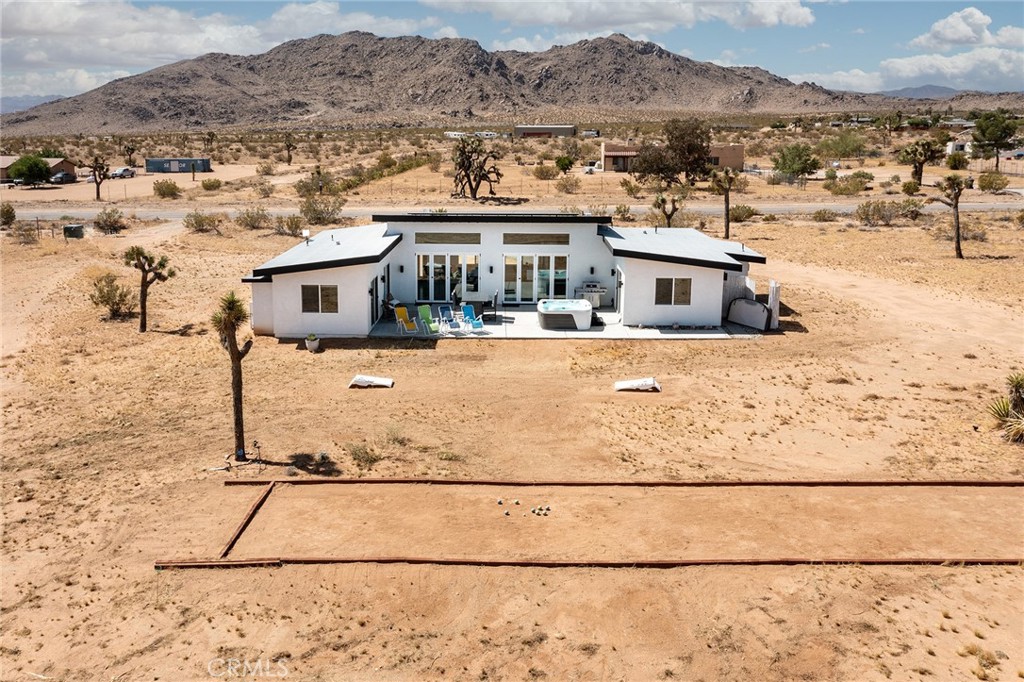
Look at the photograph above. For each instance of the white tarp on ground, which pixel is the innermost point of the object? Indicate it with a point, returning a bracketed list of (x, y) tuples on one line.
[(647, 384), (749, 313), (364, 381)]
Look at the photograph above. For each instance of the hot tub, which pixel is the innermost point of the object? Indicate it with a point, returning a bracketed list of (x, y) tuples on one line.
[(564, 313)]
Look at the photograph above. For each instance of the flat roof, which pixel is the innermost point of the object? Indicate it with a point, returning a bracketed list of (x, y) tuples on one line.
[(492, 218), (684, 246), (331, 249)]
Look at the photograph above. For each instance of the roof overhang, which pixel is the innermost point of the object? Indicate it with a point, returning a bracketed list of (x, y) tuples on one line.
[(492, 218)]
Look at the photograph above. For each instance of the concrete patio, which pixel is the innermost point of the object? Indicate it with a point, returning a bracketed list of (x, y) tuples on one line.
[(522, 323)]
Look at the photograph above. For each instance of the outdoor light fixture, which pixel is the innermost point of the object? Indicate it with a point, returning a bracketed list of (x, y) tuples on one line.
[(613, 272), (401, 268), (490, 269), (591, 269), (382, 279)]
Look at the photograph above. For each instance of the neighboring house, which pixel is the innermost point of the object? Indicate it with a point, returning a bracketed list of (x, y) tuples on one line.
[(963, 142), (336, 283), (956, 124), (544, 131), (619, 158), (57, 165), (178, 165)]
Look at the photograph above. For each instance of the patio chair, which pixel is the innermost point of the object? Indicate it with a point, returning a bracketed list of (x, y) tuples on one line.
[(405, 324), (473, 321), (448, 320), (431, 324)]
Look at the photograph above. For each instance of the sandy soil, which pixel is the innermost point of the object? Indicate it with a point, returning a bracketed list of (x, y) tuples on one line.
[(890, 352)]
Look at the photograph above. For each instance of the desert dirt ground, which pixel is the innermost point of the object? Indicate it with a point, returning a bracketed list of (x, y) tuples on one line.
[(889, 353)]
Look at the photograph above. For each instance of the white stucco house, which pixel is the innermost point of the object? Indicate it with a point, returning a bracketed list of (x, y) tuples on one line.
[(335, 283)]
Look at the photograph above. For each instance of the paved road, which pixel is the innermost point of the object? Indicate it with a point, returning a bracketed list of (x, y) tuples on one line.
[(87, 213)]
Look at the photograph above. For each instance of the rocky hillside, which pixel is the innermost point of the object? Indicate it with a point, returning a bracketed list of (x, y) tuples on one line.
[(358, 79)]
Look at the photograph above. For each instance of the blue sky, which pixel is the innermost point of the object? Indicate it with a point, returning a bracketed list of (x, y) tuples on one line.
[(70, 46)]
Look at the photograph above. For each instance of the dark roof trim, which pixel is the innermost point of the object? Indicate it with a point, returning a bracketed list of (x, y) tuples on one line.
[(748, 257), (328, 264), (490, 218), (253, 279), (680, 260)]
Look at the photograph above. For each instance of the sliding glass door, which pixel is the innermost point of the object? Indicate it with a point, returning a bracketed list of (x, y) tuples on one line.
[(529, 278), (439, 275)]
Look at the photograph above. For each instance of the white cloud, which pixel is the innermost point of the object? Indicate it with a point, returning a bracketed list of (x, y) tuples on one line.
[(814, 48), (446, 32), (300, 19), (58, 82), (726, 58), (983, 68), (858, 31), (968, 27), (640, 16), (854, 79)]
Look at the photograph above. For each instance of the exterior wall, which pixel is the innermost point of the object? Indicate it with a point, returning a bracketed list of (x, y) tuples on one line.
[(638, 294), (56, 166), (177, 165), (586, 250), (728, 155), (262, 319), (352, 318)]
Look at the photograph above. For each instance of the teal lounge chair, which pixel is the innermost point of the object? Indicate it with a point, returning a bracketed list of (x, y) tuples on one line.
[(473, 321)]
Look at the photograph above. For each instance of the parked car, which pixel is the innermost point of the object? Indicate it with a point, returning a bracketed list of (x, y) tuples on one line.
[(124, 172), (63, 178)]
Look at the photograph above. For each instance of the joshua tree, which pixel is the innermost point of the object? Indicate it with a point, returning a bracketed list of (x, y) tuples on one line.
[(669, 206), (152, 269), (99, 170), (917, 154), (228, 318), (474, 165), (722, 181), (289, 147), (952, 186), (129, 152)]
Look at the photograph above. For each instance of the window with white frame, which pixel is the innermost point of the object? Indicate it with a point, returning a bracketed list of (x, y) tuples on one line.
[(672, 291), (319, 298)]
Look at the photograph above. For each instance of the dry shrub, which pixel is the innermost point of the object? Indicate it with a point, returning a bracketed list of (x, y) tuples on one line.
[(546, 172), (569, 184)]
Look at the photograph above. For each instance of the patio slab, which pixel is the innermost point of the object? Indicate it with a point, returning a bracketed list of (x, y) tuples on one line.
[(522, 323)]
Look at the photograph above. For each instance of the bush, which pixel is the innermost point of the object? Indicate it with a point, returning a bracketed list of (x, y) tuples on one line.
[(7, 214), (875, 212), (741, 213), (622, 213), (200, 222), (253, 218), (434, 163), (24, 233), (957, 161), (631, 188), (212, 184), (321, 210), (1019, 219), (110, 220), (846, 186), (967, 233), (911, 208), (895, 179), (265, 168), (769, 218), (824, 215), (118, 299), (568, 184), (289, 225), (166, 189), (263, 188), (910, 188), (992, 182), (863, 175), (830, 174), (545, 172)]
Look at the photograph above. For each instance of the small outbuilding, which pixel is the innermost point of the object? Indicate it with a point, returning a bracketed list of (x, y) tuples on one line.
[(57, 165), (544, 131)]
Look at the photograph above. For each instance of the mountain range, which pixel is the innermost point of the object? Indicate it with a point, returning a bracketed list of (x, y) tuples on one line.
[(358, 80)]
